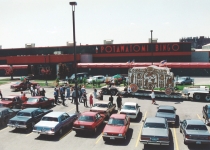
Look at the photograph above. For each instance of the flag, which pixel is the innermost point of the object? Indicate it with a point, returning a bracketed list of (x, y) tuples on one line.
[(163, 63), (128, 62), (133, 61)]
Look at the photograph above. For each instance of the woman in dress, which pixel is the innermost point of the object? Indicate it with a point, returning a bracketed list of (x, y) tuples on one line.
[(91, 100)]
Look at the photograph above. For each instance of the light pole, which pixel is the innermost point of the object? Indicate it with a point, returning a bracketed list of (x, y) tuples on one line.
[(151, 46), (73, 4)]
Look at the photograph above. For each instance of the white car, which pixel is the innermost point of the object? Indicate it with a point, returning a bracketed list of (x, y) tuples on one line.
[(96, 78), (131, 109)]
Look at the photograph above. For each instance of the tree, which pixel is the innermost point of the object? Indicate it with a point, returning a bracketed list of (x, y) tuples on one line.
[(46, 72), (63, 71), (9, 72)]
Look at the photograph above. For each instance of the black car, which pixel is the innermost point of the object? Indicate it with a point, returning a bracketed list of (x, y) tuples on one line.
[(6, 114), (27, 118), (206, 114)]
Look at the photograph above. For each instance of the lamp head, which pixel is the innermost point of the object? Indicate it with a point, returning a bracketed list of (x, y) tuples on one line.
[(73, 3)]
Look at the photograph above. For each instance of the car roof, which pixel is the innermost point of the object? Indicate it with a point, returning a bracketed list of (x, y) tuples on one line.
[(155, 119), (130, 103), (29, 110), (3, 108), (118, 116), (36, 96), (166, 107), (102, 102), (195, 121), (89, 113), (54, 114)]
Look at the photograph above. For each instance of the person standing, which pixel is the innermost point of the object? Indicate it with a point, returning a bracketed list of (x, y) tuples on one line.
[(119, 102), (62, 93), (32, 90), (73, 100), (111, 99), (1, 94), (56, 96), (68, 92), (43, 92), (85, 99), (91, 100), (79, 94), (153, 97)]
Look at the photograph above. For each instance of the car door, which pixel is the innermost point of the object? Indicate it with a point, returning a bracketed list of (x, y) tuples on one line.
[(11, 113), (41, 102), (99, 119), (17, 102), (38, 114), (63, 121), (126, 123), (183, 127), (68, 120), (46, 102)]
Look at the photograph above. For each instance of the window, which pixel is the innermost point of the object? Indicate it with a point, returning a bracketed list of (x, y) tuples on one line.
[(45, 98), (98, 116), (154, 125), (62, 118), (6, 112), (196, 127), (184, 123), (86, 118), (50, 119), (166, 111), (38, 112), (117, 122), (41, 99), (66, 115)]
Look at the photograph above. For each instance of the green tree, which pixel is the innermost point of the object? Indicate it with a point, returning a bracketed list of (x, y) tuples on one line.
[(63, 71)]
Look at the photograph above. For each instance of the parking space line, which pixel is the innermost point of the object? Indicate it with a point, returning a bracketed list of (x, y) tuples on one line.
[(29, 134), (137, 141), (99, 138), (65, 134), (71, 109), (4, 129), (175, 138), (199, 117)]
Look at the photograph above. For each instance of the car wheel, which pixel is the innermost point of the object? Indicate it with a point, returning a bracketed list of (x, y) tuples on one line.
[(207, 97), (197, 97), (52, 104), (105, 91)]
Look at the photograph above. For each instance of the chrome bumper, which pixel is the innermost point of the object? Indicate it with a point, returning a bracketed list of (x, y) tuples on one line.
[(112, 137), (17, 126), (197, 141), (155, 142), (44, 132)]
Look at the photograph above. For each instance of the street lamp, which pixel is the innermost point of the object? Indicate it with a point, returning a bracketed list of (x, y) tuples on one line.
[(151, 46), (73, 4)]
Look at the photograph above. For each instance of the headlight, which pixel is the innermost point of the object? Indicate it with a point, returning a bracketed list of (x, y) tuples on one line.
[(105, 133), (120, 135)]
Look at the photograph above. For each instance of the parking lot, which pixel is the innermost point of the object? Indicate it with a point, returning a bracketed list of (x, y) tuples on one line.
[(18, 139)]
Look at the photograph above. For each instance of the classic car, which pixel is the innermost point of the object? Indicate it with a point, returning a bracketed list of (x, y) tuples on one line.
[(88, 121), (11, 101), (117, 127), (20, 86), (194, 131), (206, 114), (131, 109), (168, 112), (39, 102), (104, 107), (27, 118), (184, 80), (54, 123), (6, 114), (155, 131), (98, 78)]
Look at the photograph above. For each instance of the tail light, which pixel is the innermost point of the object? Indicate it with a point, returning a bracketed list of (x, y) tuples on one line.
[(144, 138), (122, 113), (164, 139), (187, 136)]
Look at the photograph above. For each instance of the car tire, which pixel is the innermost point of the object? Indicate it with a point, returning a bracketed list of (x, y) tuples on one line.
[(52, 104), (197, 97), (207, 97)]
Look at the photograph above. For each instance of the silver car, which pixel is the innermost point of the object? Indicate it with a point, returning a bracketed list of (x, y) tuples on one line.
[(194, 131), (168, 112), (155, 131), (54, 123)]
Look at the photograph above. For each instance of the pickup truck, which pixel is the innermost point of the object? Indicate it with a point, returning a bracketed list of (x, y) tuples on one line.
[(20, 86), (104, 107)]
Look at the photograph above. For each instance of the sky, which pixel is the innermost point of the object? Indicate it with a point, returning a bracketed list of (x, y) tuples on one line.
[(49, 22)]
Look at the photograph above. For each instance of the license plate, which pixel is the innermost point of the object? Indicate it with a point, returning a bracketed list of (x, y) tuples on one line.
[(112, 138), (81, 126), (198, 142), (154, 139)]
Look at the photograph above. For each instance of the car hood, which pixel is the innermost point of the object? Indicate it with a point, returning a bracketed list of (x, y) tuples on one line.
[(49, 124), (165, 115), (5, 102), (197, 132), (128, 111), (154, 132), (83, 123), (98, 108), (114, 129), (17, 118)]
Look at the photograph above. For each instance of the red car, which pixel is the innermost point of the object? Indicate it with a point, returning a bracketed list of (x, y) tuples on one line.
[(20, 86), (39, 102), (88, 121), (11, 101), (117, 127)]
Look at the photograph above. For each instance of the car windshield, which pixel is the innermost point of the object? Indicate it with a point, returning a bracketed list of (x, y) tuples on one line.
[(25, 114), (86, 118), (129, 107), (154, 125), (17, 83), (101, 105), (166, 111), (50, 119), (196, 127), (182, 78), (117, 122), (33, 100), (7, 99)]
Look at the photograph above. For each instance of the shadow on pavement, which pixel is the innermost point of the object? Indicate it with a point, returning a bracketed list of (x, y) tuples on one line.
[(138, 119), (121, 142), (198, 147), (161, 147)]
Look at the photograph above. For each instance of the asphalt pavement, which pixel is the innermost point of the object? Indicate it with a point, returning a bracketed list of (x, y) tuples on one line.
[(18, 140)]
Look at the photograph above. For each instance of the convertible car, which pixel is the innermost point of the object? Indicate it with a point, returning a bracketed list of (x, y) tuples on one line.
[(88, 121), (54, 123), (117, 127)]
